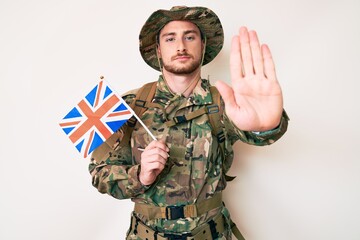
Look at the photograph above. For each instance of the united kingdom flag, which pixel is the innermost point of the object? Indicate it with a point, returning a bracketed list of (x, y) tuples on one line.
[(95, 118)]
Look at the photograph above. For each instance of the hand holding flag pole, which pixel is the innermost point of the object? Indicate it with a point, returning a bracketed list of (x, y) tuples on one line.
[(96, 117)]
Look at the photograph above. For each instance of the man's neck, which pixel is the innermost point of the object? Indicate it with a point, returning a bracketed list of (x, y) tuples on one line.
[(182, 84)]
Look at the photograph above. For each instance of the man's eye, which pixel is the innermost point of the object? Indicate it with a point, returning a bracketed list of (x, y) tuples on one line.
[(169, 39), (189, 38)]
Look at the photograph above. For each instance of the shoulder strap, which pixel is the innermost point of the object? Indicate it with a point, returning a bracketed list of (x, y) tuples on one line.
[(142, 101), (143, 97), (235, 230), (217, 126)]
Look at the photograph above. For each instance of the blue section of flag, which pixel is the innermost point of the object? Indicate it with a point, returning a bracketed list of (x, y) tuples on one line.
[(115, 125), (107, 92), (121, 107), (68, 130), (91, 96), (97, 141), (74, 113), (79, 146)]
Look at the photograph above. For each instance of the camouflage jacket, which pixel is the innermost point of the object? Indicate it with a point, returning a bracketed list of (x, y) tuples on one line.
[(194, 169)]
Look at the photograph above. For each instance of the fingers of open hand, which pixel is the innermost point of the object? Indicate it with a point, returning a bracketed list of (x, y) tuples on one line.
[(257, 57), (246, 51), (269, 66), (248, 57), (235, 58)]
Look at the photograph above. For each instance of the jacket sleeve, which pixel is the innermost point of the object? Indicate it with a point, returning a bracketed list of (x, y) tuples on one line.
[(113, 170), (256, 138)]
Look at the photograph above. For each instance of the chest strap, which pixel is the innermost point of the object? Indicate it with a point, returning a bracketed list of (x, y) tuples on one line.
[(210, 109), (175, 212)]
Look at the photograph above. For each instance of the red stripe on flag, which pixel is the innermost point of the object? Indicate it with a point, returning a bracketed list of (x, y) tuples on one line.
[(94, 118), (98, 94), (69, 123), (88, 143), (118, 114)]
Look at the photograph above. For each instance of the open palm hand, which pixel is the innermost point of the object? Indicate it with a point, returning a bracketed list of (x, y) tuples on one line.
[(254, 102)]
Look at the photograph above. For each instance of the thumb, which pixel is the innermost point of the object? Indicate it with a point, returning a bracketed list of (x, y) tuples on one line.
[(227, 93)]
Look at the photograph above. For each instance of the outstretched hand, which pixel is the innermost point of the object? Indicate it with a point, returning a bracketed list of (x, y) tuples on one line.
[(254, 102)]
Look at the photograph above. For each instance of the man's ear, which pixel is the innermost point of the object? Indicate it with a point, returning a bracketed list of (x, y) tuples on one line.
[(203, 45), (158, 51)]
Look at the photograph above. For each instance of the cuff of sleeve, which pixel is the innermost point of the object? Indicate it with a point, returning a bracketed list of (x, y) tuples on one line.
[(135, 185), (281, 128)]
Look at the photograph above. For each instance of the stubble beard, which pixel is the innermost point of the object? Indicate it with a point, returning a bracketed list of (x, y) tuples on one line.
[(182, 70)]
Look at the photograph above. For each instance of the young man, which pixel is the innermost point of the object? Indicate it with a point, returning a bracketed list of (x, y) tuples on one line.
[(176, 181)]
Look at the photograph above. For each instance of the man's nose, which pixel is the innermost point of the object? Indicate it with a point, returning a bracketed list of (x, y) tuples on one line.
[(181, 46)]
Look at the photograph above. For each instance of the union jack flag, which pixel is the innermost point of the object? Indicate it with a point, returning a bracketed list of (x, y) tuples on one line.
[(95, 118)]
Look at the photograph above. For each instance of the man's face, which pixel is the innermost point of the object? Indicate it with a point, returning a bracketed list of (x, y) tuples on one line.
[(180, 47)]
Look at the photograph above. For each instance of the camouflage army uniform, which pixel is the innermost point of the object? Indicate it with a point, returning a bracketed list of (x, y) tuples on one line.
[(195, 168)]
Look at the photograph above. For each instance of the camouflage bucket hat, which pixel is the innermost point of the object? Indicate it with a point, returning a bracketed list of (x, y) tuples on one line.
[(206, 20)]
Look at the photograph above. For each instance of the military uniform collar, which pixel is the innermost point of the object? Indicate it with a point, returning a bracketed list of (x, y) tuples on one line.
[(200, 96)]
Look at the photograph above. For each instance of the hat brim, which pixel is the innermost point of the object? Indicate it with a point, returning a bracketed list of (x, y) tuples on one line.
[(207, 21)]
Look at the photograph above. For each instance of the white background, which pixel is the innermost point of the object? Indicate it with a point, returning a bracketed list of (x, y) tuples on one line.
[(305, 186)]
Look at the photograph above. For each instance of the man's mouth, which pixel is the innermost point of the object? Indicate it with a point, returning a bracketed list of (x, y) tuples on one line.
[(182, 57)]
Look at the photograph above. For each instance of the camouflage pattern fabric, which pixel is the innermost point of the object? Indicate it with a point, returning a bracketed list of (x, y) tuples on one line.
[(207, 21), (194, 169)]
